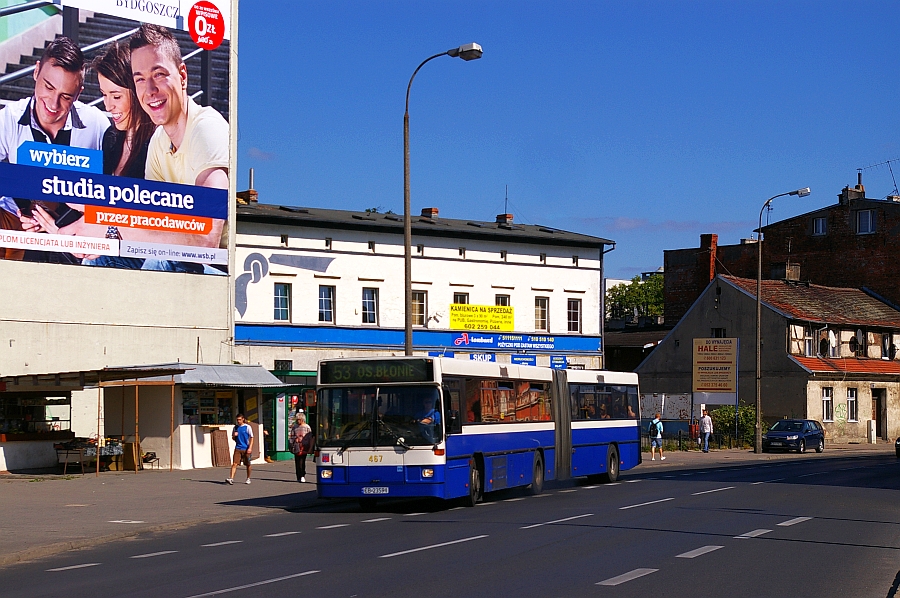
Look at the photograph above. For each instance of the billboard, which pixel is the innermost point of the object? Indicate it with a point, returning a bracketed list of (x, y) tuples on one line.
[(115, 147), (715, 364), (464, 316)]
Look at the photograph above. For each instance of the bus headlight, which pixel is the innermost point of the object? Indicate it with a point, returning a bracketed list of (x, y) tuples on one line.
[(427, 473), (325, 474)]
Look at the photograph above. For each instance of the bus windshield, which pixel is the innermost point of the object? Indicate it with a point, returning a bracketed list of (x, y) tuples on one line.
[(380, 416)]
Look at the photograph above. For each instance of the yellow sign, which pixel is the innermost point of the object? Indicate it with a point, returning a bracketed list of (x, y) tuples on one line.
[(715, 364), (464, 316)]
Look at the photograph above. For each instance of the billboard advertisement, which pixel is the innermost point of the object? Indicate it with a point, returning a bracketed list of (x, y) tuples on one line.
[(464, 316), (115, 146)]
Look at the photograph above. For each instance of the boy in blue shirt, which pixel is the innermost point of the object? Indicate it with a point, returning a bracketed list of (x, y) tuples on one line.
[(243, 447)]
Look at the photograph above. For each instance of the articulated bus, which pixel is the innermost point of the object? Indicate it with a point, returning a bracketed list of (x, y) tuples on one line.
[(453, 428)]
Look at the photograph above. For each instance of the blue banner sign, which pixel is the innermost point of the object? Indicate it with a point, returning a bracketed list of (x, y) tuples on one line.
[(558, 362), (524, 359), (63, 157), (440, 354), (482, 357)]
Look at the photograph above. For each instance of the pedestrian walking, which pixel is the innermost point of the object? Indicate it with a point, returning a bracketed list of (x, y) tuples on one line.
[(655, 431), (706, 430), (243, 447), (301, 444)]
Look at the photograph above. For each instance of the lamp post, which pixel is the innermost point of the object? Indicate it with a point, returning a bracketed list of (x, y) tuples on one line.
[(466, 52), (757, 445)]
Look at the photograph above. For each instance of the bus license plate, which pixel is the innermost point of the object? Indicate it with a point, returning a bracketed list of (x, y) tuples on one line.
[(375, 490)]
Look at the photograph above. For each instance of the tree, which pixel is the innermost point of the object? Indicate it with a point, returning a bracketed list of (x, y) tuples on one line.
[(637, 298)]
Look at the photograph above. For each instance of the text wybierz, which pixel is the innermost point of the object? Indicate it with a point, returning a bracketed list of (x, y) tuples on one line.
[(85, 188)]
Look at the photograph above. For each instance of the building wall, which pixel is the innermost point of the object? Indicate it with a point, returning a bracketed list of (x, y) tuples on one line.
[(59, 318), (440, 269), (842, 429)]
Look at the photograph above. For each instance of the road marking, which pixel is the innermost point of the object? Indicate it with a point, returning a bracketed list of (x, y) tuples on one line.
[(533, 496), (152, 554), (513, 499), (567, 491), (335, 526), (632, 481), (767, 481), (668, 476), (74, 567), (221, 543), (253, 585), (644, 504), (713, 490), (278, 535), (590, 487), (124, 521), (614, 581), (684, 474), (413, 514), (753, 534), (702, 472), (402, 552), (457, 508), (794, 521), (376, 520), (806, 475), (613, 484), (697, 552), (557, 521)]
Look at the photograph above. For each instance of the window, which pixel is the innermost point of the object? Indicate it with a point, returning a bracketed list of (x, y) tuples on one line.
[(284, 365), (829, 345), (888, 349), (282, 302), (857, 344), (501, 300), (852, 410), (809, 347), (828, 404), (541, 305), (326, 304), (419, 307), (718, 333), (818, 226), (370, 306), (865, 222), (461, 298), (573, 315)]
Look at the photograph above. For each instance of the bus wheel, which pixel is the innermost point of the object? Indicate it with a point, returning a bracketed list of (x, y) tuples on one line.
[(537, 480), (612, 464), (476, 490), (367, 504)]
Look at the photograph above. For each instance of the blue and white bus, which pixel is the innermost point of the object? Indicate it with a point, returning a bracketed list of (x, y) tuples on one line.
[(448, 428)]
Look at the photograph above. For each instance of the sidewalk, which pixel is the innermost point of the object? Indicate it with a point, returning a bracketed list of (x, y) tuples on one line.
[(48, 514)]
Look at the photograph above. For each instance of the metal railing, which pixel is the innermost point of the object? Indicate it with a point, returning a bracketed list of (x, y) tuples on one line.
[(25, 6)]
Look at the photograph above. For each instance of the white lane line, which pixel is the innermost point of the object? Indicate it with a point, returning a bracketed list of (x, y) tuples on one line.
[(152, 554), (74, 567), (806, 475), (335, 526), (767, 481), (253, 585), (702, 472), (644, 504), (402, 552), (614, 581), (534, 496), (713, 490), (278, 535), (457, 508), (514, 499), (221, 543), (794, 521), (613, 484), (557, 521), (377, 519), (590, 487), (684, 474), (567, 491), (413, 514), (697, 552), (753, 534), (632, 481)]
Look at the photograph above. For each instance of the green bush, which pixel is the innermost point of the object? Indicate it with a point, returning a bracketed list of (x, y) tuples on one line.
[(723, 421)]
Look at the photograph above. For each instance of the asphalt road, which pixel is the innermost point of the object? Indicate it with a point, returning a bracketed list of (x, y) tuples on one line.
[(809, 525)]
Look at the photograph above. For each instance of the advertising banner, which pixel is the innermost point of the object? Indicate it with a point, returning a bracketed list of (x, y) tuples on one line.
[(464, 316), (715, 365), (523, 359), (114, 152)]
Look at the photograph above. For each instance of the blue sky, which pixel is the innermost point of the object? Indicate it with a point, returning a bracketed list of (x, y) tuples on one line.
[(648, 123)]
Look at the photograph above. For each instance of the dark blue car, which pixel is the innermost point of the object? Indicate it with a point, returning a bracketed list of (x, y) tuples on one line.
[(795, 435)]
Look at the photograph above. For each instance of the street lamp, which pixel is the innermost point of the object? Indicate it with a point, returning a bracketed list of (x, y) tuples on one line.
[(757, 446), (466, 52)]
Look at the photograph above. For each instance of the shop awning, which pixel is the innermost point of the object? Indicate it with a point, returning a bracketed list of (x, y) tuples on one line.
[(79, 380), (232, 375)]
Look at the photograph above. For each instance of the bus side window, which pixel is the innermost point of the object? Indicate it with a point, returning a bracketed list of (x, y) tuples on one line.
[(451, 411)]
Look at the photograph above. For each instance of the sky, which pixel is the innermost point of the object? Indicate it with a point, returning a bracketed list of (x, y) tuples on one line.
[(645, 123)]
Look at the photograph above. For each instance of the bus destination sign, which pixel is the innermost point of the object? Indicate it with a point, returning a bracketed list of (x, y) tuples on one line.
[(372, 371)]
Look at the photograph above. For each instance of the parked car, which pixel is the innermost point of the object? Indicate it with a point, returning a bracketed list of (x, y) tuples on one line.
[(795, 435)]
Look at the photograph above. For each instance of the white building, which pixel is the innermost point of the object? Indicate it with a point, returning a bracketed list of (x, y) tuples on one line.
[(314, 283)]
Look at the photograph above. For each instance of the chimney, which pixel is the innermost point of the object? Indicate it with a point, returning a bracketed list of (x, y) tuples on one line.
[(706, 258), (250, 195), (504, 218), (430, 213)]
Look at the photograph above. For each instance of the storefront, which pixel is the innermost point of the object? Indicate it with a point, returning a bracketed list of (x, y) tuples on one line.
[(280, 407)]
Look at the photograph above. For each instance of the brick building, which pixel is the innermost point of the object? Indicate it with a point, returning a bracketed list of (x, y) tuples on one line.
[(853, 243)]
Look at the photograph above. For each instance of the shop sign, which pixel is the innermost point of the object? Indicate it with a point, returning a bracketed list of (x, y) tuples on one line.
[(464, 316)]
